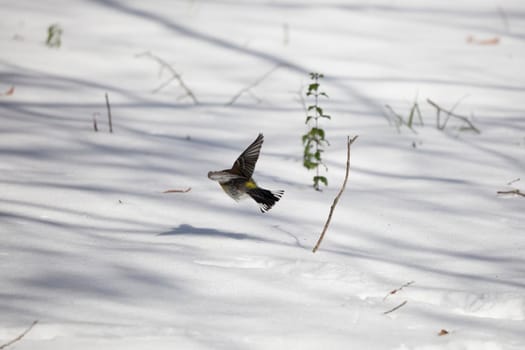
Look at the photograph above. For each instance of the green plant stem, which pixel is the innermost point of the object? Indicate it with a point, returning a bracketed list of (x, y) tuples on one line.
[(314, 139), (316, 184)]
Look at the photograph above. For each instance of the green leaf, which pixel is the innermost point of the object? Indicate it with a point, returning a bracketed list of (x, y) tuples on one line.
[(326, 116), (322, 179), (309, 164), (319, 132), (307, 158), (323, 94), (308, 144), (313, 87), (308, 118), (312, 135), (317, 154)]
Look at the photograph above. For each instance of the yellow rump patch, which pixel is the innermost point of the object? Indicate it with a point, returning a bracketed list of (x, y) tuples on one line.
[(251, 185)]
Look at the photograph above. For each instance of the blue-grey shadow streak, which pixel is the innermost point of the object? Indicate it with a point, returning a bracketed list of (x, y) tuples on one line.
[(217, 41), (185, 229), (297, 241)]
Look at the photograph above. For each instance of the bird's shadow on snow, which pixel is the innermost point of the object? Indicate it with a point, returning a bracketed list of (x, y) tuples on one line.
[(189, 230), (185, 229)]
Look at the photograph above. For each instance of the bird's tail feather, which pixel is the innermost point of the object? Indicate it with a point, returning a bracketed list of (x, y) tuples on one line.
[(265, 198)]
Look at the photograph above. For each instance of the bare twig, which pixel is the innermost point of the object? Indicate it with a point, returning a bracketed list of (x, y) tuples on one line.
[(9, 91), (164, 84), (400, 120), (349, 142), (23, 334), (248, 88), (178, 190), (95, 126), (398, 289), (442, 127), (513, 181), (515, 191), (395, 308), (490, 41), (109, 114), (174, 75), (440, 109), (413, 110)]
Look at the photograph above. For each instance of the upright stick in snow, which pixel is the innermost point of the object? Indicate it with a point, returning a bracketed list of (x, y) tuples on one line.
[(348, 144), (109, 114), (19, 337)]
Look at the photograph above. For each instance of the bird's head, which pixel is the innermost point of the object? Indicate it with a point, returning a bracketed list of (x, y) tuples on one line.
[(221, 176)]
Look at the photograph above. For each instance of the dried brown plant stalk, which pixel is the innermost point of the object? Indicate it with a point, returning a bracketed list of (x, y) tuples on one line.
[(23, 334), (348, 145), (178, 190)]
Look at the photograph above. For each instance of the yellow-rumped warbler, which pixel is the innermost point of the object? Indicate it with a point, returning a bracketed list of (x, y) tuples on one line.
[(238, 183)]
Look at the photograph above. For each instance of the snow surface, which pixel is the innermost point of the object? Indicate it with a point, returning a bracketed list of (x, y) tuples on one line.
[(92, 249)]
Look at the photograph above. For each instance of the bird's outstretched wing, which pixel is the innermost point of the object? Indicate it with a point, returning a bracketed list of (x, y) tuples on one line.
[(245, 164)]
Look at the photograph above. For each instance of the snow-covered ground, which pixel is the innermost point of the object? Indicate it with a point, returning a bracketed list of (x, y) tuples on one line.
[(92, 249)]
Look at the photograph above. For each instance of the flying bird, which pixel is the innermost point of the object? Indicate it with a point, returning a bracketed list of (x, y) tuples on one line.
[(238, 183)]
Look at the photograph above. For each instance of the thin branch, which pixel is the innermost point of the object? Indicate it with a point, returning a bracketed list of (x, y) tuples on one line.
[(413, 110), (490, 41), (252, 85), (163, 85), (23, 334), (9, 91), (451, 114), (395, 308), (95, 126), (513, 181), (175, 75), (398, 289), (516, 192), (178, 190), (348, 144), (400, 120), (109, 114)]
